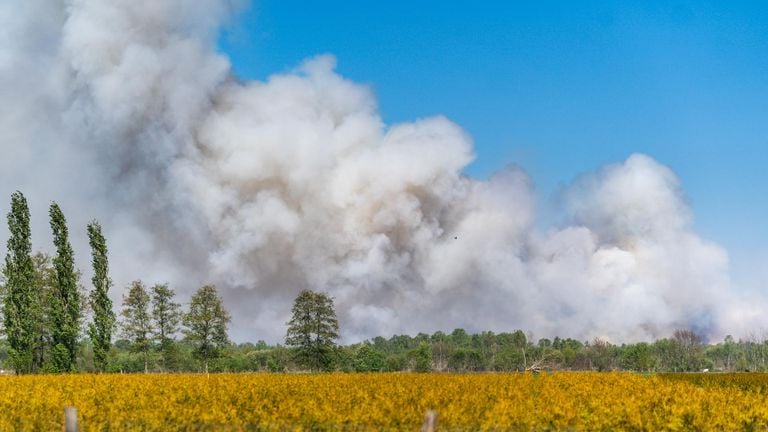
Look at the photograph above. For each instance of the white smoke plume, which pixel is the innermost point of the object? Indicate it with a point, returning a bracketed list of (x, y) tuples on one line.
[(123, 110)]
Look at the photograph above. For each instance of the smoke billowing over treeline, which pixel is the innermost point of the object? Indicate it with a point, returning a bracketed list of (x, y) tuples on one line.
[(125, 111)]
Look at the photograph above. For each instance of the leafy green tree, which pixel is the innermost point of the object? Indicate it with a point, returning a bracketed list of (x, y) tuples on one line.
[(638, 357), (20, 306), (422, 358), (313, 330), (508, 359), (441, 349), (729, 349), (137, 323), (395, 363), (100, 330), (402, 342), (689, 351), (460, 338), (343, 359), (274, 365), (519, 341), (665, 352), (166, 316), (206, 324), (465, 360), (66, 305), (601, 354), (368, 359)]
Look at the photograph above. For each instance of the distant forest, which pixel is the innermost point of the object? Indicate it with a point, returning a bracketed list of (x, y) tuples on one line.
[(457, 351), (460, 351), (44, 312)]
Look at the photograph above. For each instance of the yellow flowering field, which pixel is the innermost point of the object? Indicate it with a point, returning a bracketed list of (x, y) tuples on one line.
[(245, 402)]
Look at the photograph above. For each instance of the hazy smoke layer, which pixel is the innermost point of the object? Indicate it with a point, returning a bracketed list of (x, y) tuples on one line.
[(123, 110)]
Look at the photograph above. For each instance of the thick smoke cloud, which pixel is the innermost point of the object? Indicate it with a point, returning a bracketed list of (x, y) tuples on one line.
[(123, 110)]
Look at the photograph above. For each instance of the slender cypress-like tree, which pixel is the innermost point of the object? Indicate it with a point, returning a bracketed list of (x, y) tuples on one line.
[(100, 330), (206, 324), (137, 323), (45, 286), (66, 306), (166, 315), (19, 308)]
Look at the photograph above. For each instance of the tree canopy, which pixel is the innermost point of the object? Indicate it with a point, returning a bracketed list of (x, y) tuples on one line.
[(66, 305), (100, 330), (137, 324), (313, 329), (20, 307), (206, 324)]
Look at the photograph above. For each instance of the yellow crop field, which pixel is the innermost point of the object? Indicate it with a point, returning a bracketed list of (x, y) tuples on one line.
[(244, 402)]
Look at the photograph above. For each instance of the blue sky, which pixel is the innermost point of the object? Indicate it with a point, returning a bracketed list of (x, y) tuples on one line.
[(559, 88)]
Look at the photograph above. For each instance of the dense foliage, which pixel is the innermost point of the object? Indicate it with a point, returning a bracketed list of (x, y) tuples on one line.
[(313, 330), (137, 324), (21, 307), (166, 315), (100, 330), (265, 402), (206, 324), (440, 352), (65, 305)]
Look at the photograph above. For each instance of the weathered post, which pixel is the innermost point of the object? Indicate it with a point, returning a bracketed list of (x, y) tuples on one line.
[(430, 421), (70, 419)]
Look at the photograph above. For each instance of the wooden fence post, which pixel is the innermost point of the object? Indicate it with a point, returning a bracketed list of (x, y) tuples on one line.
[(430, 421), (70, 419)]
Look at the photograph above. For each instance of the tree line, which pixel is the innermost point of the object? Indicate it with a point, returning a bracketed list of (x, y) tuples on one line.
[(44, 309), (463, 352)]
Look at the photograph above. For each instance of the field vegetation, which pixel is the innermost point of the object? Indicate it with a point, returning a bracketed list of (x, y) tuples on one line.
[(464, 402)]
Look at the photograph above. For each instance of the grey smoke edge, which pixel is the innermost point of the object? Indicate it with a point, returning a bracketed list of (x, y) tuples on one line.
[(124, 111)]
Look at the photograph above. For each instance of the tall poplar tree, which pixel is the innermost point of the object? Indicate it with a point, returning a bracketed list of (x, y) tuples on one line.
[(19, 308), (66, 306), (100, 330), (137, 323), (206, 324)]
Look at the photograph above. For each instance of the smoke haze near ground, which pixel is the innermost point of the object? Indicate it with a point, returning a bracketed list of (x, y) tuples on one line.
[(123, 110)]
